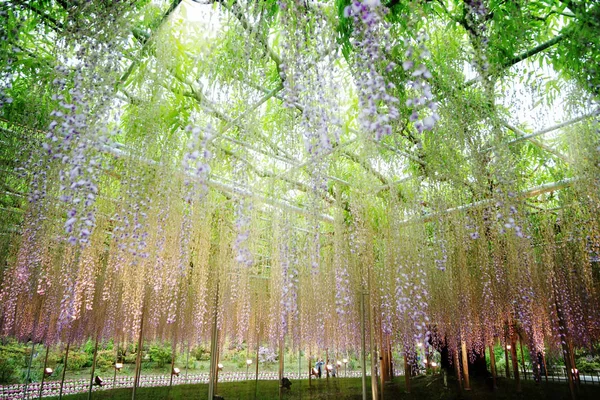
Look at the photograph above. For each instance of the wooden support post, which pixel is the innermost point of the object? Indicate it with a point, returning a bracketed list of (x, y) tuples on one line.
[(309, 362), (374, 388), (545, 368), (326, 364), (507, 368), (172, 366), (138, 358), (28, 375), (213, 359), (116, 361), (493, 366), (44, 371), (213, 375), (93, 368), (363, 345), (515, 364), (299, 363), (281, 361), (522, 359), (457, 369), (407, 373), (390, 358), (465, 364), (62, 379), (217, 374), (187, 361), (257, 354)]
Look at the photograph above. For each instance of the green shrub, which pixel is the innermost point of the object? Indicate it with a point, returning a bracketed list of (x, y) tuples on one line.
[(12, 357), (105, 359), (79, 360), (200, 353), (160, 354), (9, 370)]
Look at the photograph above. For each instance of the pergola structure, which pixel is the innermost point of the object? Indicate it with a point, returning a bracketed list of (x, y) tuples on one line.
[(293, 172)]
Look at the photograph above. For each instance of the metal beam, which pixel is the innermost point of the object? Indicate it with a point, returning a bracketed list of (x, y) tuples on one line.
[(531, 192)]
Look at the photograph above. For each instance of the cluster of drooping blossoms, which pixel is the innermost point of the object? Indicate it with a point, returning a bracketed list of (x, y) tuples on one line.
[(68, 143), (289, 279), (372, 40), (424, 110), (196, 162), (411, 308), (243, 220)]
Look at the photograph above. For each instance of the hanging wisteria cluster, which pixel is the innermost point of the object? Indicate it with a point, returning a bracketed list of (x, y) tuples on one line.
[(378, 108)]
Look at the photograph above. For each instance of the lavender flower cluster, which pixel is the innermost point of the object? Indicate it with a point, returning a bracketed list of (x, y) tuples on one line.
[(69, 142), (415, 57), (372, 40), (196, 162)]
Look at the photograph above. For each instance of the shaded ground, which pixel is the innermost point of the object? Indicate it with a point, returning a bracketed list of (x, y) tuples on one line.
[(422, 388)]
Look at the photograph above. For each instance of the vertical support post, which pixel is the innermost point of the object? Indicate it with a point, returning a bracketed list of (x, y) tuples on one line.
[(326, 364), (187, 361), (522, 358), (390, 359), (93, 368), (309, 362), (116, 361), (172, 366), (299, 363), (465, 364), (363, 345), (214, 349), (374, 388), (281, 360), (213, 359), (257, 355), (138, 358), (493, 366), (506, 360), (28, 376), (545, 368), (62, 380), (515, 363), (407, 373), (382, 361), (44, 370), (457, 369), (217, 374)]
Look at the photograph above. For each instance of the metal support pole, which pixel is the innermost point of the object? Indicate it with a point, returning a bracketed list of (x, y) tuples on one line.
[(465, 364), (281, 355), (172, 366), (116, 361), (62, 380), (363, 346), (28, 376), (493, 366), (138, 358), (515, 363), (214, 350), (187, 361), (522, 359), (44, 370), (93, 369)]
